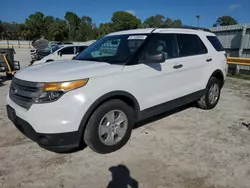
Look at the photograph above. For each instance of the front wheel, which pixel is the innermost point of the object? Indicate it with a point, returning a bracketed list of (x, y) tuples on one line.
[(110, 126), (211, 95)]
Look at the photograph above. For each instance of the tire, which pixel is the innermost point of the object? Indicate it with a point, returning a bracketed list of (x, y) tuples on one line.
[(98, 140), (204, 102)]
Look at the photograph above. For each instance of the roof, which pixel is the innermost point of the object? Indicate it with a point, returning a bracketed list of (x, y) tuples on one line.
[(133, 31), (158, 30)]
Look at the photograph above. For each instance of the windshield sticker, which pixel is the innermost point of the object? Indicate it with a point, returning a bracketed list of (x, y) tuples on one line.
[(137, 37)]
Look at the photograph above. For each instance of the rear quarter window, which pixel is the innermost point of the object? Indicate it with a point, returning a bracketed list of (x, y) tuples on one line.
[(190, 44), (216, 43)]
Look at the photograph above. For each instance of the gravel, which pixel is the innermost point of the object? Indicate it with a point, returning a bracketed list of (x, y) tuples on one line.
[(187, 148)]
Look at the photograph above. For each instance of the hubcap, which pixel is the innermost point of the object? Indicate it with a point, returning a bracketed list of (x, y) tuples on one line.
[(113, 127), (213, 93)]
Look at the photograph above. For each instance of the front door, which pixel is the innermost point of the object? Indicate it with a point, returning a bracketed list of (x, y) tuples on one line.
[(158, 83)]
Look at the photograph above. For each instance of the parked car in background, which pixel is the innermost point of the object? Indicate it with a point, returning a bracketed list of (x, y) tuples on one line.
[(65, 52), (38, 54), (42, 48), (61, 43)]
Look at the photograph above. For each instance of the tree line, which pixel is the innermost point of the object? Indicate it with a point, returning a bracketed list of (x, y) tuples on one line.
[(75, 28)]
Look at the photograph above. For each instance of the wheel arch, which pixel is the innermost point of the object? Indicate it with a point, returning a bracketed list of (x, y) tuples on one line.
[(219, 75), (122, 95)]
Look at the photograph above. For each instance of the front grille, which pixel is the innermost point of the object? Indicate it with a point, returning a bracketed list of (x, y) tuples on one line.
[(24, 93)]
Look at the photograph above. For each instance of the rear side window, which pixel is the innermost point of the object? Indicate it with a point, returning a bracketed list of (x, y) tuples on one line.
[(67, 50), (190, 45), (216, 43)]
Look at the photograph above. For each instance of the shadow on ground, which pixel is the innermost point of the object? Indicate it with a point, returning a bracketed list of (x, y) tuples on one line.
[(121, 178), (163, 115)]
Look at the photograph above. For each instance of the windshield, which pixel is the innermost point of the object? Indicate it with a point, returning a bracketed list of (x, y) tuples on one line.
[(112, 49)]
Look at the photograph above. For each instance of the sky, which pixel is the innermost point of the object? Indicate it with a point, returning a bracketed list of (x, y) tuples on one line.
[(101, 10)]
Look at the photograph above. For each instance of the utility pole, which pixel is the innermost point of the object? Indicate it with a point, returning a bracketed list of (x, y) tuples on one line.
[(198, 20)]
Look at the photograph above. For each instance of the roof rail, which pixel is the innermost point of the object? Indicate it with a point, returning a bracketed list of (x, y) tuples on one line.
[(187, 27)]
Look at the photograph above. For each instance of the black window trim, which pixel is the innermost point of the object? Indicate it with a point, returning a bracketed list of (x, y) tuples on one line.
[(67, 47), (200, 43), (215, 37), (135, 59)]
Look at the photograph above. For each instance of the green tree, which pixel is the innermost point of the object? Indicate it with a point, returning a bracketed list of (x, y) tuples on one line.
[(1, 29), (168, 22), (48, 23), (87, 29), (36, 24), (59, 30), (160, 21), (155, 21), (73, 28), (104, 29), (73, 24), (225, 20), (123, 20), (9, 30), (177, 23)]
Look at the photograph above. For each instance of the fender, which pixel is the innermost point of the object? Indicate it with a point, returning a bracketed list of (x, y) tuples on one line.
[(218, 74)]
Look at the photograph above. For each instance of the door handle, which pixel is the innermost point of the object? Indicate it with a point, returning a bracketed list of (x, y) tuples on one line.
[(209, 59), (178, 66)]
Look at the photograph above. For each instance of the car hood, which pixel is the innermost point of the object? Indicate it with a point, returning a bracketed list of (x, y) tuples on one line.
[(65, 70)]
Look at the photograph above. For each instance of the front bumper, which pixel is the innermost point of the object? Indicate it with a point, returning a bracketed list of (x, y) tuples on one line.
[(60, 142)]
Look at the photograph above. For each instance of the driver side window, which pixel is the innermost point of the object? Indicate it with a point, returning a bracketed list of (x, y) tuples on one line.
[(165, 43)]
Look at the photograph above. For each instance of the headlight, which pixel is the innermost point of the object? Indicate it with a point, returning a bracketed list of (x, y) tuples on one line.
[(53, 91)]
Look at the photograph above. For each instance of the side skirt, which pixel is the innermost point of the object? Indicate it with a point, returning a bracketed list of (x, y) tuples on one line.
[(170, 105)]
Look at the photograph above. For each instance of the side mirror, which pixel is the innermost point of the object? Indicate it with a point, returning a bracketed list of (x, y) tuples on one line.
[(158, 57)]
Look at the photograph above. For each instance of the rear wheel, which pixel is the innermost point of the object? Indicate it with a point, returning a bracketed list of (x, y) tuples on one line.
[(211, 95), (110, 126)]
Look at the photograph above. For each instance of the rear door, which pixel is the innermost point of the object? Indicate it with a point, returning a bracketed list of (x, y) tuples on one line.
[(193, 58), (218, 55)]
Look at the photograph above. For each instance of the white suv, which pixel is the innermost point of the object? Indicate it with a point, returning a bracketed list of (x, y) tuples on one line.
[(119, 80)]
